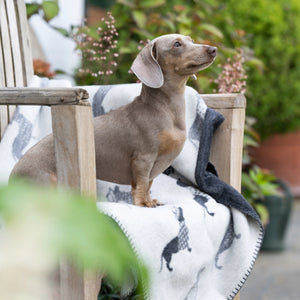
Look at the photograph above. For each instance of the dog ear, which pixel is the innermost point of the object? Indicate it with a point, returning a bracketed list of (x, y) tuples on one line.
[(147, 69)]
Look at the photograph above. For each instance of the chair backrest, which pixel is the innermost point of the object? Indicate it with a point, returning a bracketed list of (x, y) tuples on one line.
[(16, 65)]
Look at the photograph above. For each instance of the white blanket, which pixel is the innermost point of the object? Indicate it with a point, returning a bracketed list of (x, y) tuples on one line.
[(202, 243)]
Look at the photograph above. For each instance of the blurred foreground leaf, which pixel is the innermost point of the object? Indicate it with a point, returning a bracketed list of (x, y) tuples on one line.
[(62, 223)]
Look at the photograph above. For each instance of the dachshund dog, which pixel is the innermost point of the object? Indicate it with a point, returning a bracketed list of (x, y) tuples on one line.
[(138, 141)]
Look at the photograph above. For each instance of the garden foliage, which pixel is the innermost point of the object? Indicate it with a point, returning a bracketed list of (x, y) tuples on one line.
[(273, 32)]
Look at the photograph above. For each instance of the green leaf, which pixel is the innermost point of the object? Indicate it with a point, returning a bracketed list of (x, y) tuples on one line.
[(31, 9), (249, 141), (212, 30), (140, 18), (170, 24), (262, 212), (128, 3), (151, 3), (63, 31), (50, 8), (125, 50), (256, 64)]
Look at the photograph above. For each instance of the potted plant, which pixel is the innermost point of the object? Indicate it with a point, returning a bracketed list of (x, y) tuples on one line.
[(268, 195)]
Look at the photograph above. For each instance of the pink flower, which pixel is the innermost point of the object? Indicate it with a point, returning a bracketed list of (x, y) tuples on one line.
[(233, 77), (98, 52)]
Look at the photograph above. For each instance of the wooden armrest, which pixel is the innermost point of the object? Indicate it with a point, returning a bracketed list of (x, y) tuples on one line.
[(42, 96), (224, 101), (227, 145)]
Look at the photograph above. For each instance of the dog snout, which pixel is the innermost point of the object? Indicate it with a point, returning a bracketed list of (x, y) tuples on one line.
[(212, 51)]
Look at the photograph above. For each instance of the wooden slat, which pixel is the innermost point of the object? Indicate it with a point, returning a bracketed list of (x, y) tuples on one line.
[(25, 44), (16, 51), (42, 96), (78, 286), (7, 63), (237, 297), (74, 146), (225, 100), (3, 119), (3, 111), (11, 111), (2, 79), (15, 44), (6, 43), (75, 162)]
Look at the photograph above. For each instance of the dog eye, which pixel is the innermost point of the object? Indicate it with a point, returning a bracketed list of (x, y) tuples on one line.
[(177, 44)]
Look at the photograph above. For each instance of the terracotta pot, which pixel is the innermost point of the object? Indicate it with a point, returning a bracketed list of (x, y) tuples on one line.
[(281, 154)]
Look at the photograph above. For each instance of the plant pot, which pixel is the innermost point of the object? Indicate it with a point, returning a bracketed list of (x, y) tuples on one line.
[(280, 154), (279, 208)]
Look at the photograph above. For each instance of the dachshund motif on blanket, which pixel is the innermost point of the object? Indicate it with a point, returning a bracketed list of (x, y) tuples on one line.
[(180, 242)]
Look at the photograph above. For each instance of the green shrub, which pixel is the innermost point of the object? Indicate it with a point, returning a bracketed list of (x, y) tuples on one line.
[(273, 32)]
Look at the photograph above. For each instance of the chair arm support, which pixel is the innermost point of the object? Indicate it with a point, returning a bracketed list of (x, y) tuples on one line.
[(42, 96), (227, 145)]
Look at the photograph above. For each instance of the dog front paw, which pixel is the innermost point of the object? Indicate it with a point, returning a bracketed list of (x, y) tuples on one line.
[(149, 203), (152, 203)]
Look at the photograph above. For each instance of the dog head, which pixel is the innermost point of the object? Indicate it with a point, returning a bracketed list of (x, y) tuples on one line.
[(171, 56)]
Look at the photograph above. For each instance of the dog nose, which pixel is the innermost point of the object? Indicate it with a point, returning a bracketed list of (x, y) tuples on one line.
[(212, 51)]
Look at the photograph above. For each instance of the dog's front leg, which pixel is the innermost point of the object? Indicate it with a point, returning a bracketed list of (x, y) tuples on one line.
[(140, 183)]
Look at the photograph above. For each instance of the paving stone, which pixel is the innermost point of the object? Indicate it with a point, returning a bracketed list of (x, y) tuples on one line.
[(276, 275)]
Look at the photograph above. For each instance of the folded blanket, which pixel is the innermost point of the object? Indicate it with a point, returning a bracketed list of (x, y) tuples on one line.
[(202, 243)]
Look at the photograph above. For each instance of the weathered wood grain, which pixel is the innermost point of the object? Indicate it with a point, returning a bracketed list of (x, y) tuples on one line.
[(6, 44), (227, 145), (75, 163), (2, 74), (15, 43), (25, 43), (42, 96), (218, 101)]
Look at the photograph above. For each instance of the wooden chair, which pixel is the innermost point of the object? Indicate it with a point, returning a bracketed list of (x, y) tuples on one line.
[(72, 127)]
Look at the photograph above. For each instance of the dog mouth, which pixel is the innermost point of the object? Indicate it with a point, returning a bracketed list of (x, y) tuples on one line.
[(198, 67)]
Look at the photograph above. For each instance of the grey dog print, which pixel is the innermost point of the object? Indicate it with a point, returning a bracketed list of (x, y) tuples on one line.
[(198, 197), (180, 242), (227, 241), (24, 135), (116, 195)]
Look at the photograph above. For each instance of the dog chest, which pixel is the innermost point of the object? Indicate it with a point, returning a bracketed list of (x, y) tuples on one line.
[(171, 141)]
